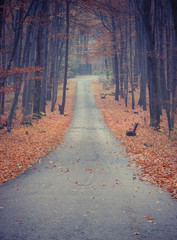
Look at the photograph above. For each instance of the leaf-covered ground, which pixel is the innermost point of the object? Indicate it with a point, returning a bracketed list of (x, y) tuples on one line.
[(152, 151), (25, 145)]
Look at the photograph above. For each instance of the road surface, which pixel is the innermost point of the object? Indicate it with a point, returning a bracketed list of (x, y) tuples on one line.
[(87, 189)]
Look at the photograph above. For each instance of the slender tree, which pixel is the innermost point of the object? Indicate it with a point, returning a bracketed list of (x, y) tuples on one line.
[(66, 56)]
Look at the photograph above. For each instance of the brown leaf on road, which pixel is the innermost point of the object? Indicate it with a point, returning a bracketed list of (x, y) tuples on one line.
[(136, 233)]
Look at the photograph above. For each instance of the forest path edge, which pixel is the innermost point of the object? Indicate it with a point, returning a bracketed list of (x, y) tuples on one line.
[(152, 151)]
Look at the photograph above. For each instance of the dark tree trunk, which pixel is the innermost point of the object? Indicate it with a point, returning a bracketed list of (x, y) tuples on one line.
[(126, 66), (29, 88), (44, 82), (29, 59), (174, 83), (122, 49), (2, 46), (152, 66), (55, 78), (39, 62), (45, 55), (26, 57), (162, 66), (142, 62), (107, 70), (115, 59), (58, 45), (169, 74), (131, 57), (2, 101), (19, 83), (66, 57), (173, 101), (1, 21), (174, 10), (51, 70)]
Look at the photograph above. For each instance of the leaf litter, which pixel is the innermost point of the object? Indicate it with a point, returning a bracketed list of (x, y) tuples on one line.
[(152, 151), (25, 145)]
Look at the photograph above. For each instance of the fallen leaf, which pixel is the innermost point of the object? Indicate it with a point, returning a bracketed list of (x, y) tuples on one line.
[(18, 219), (154, 153), (24, 146)]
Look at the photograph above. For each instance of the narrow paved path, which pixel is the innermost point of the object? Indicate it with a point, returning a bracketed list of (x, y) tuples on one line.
[(86, 189)]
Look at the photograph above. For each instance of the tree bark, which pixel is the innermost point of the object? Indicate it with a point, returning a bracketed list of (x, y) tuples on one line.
[(152, 66), (39, 62), (27, 113), (66, 56), (115, 59), (131, 58), (44, 82), (19, 82)]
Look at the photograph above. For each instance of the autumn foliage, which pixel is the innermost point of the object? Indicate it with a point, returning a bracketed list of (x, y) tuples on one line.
[(25, 145), (152, 151)]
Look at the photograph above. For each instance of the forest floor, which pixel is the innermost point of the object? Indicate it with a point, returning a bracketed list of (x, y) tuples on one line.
[(25, 145), (152, 151)]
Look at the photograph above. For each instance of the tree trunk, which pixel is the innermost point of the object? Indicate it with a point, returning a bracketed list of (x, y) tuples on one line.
[(126, 67), (122, 49), (174, 10), (131, 58), (3, 55), (45, 61), (115, 59), (107, 70), (38, 75), (19, 83), (27, 113), (152, 66), (44, 82), (66, 57), (142, 62), (1, 21), (55, 77)]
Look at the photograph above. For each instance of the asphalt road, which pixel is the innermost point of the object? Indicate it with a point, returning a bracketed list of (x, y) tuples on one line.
[(86, 189)]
